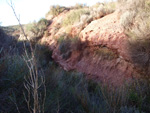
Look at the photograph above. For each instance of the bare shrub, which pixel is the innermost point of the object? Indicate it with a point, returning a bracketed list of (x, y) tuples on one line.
[(35, 80)]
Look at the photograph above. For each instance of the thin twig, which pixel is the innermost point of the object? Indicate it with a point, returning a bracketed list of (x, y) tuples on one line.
[(32, 81)]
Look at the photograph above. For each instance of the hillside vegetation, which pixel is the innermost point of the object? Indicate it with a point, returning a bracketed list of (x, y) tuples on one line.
[(131, 19), (73, 91)]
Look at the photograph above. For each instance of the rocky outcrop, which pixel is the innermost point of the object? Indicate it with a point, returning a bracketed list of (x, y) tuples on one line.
[(102, 53)]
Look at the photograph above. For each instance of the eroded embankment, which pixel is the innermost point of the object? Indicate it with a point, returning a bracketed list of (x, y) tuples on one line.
[(101, 51)]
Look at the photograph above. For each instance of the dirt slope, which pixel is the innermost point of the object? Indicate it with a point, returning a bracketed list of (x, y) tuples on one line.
[(102, 52)]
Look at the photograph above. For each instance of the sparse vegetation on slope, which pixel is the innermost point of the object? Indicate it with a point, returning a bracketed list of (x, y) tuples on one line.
[(79, 6), (68, 44), (36, 30), (74, 16), (71, 91), (55, 10), (132, 16)]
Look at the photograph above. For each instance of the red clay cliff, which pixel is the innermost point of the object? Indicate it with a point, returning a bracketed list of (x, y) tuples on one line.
[(102, 53)]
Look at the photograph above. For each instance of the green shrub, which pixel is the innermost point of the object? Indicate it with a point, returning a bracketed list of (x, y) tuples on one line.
[(132, 15), (55, 10), (29, 26), (131, 19), (67, 45), (79, 6), (97, 5), (13, 68), (43, 55), (36, 30), (111, 6), (100, 10), (64, 44), (12, 72), (69, 89), (74, 16), (139, 53), (42, 24), (134, 98), (5, 40), (107, 5)]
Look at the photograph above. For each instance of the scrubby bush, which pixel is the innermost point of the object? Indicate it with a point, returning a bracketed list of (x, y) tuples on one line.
[(13, 68), (74, 16), (127, 19), (43, 23), (5, 40), (97, 5), (68, 44), (99, 10), (131, 19), (139, 53), (8, 43), (107, 5), (70, 92), (135, 19), (111, 5), (55, 10), (79, 6), (65, 47), (36, 30), (95, 12), (12, 72), (133, 14), (83, 16), (43, 55)]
